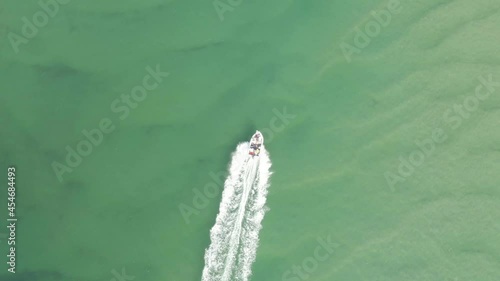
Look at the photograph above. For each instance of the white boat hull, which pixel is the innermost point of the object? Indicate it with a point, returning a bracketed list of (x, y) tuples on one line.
[(256, 142)]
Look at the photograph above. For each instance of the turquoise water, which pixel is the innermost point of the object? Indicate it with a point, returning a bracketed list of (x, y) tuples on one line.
[(341, 159)]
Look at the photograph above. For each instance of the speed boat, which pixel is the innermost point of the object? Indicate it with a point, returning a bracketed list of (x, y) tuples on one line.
[(255, 143)]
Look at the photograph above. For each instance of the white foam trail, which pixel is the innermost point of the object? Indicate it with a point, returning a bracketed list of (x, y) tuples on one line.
[(235, 235)]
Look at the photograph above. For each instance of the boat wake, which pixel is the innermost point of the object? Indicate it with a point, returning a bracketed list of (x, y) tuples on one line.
[(235, 235)]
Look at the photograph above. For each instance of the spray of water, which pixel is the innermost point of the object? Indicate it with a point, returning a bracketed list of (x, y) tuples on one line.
[(235, 235)]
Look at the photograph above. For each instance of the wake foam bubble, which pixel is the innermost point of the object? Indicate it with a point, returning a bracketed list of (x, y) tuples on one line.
[(235, 235)]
